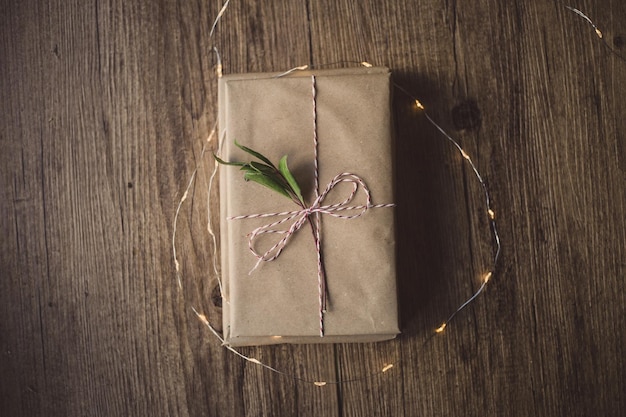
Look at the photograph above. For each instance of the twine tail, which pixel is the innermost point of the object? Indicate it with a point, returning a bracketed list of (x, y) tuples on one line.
[(321, 275)]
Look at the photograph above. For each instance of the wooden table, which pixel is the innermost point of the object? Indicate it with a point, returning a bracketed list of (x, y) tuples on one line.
[(105, 106)]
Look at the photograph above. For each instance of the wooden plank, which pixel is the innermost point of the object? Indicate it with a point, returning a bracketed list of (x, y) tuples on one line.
[(105, 107)]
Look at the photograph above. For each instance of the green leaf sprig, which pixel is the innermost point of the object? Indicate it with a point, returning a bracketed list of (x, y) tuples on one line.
[(268, 175)]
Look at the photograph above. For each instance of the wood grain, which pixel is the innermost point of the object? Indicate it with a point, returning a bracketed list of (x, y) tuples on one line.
[(105, 106)]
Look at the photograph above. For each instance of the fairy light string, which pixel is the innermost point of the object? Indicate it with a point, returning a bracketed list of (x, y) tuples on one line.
[(491, 214), (486, 277), (586, 18), (386, 367), (597, 30)]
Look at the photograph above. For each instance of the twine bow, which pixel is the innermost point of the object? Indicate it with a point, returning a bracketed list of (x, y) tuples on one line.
[(299, 217)]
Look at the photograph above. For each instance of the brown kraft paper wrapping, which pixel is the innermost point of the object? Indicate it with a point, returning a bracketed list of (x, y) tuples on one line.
[(278, 302)]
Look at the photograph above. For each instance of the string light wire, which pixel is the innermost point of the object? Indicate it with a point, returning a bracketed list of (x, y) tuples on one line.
[(490, 212), (491, 215), (180, 204), (320, 383), (584, 16), (597, 31)]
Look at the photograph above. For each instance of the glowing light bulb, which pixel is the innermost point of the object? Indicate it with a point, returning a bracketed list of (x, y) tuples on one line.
[(388, 367), (598, 33), (492, 214), (418, 104), (487, 277), (320, 383), (465, 155), (366, 64), (441, 328)]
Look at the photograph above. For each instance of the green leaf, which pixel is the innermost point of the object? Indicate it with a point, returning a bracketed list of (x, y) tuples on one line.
[(277, 179), (255, 154), (221, 161), (259, 167), (284, 170), (266, 181)]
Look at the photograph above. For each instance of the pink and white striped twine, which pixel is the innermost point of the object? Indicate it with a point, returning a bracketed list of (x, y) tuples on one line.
[(312, 215)]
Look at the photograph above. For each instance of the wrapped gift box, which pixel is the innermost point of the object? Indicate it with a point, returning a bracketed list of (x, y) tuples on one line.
[(278, 302)]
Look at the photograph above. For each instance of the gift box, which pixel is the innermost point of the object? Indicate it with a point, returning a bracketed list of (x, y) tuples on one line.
[(349, 111)]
